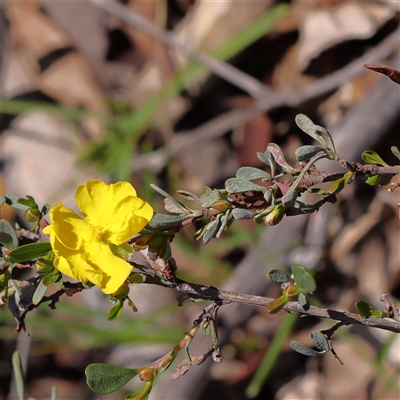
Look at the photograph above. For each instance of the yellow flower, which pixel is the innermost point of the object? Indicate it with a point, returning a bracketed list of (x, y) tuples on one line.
[(112, 214)]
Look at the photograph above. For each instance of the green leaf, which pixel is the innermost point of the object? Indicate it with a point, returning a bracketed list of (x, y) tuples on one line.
[(305, 153), (371, 157), (8, 231), (39, 293), (276, 305), (320, 341), (251, 173), (278, 276), (280, 159), (303, 279), (50, 278), (115, 311), (18, 374), (12, 200), (363, 308), (305, 350), (105, 378), (142, 394), (123, 251), (236, 185), (375, 180), (395, 151), (29, 202), (29, 252)]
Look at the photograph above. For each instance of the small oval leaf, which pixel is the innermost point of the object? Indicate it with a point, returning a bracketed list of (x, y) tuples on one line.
[(305, 153), (307, 351), (251, 173), (304, 280), (236, 185), (39, 293), (278, 276), (115, 311), (7, 229), (29, 252), (304, 301), (105, 378), (280, 159), (371, 157), (320, 341), (165, 221), (241, 213), (363, 308), (395, 151)]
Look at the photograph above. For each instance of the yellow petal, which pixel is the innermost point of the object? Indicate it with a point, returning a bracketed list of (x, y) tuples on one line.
[(67, 229), (114, 269), (113, 207), (77, 268)]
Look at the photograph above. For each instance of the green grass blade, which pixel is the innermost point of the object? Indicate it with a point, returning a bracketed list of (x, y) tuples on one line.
[(284, 330)]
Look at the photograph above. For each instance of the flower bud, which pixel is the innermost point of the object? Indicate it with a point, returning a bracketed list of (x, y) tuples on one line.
[(146, 374), (3, 280), (221, 205), (275, 216), (43, 267), (32, 215), (122, 292), (291, 292)]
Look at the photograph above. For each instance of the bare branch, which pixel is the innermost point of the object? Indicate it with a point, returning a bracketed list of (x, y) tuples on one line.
[(210, 293)]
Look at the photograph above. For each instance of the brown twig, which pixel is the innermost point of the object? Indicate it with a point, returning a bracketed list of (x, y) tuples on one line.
[(210, 293)]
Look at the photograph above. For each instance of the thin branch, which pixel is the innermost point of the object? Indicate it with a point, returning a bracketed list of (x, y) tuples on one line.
[(194, 291)]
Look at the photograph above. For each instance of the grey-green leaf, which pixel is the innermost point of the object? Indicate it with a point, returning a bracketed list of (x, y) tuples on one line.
[(267, 158), (105, 378), (305, 153), (165, 221), (251, 173), (280, 159), (39, 293), (304, 301), (305, 350), (236, 185), (289, 199), (12, 200), (304, 280), (212, 229), (320, 341), (395, 151), (241, 213), (8, 232), (278, 276), (209, 197)]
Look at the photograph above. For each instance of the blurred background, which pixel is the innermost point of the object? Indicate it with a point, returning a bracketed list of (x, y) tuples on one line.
[(181, 93)]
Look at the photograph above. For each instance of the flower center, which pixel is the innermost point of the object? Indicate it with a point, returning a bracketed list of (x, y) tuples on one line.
[(97, 233)]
